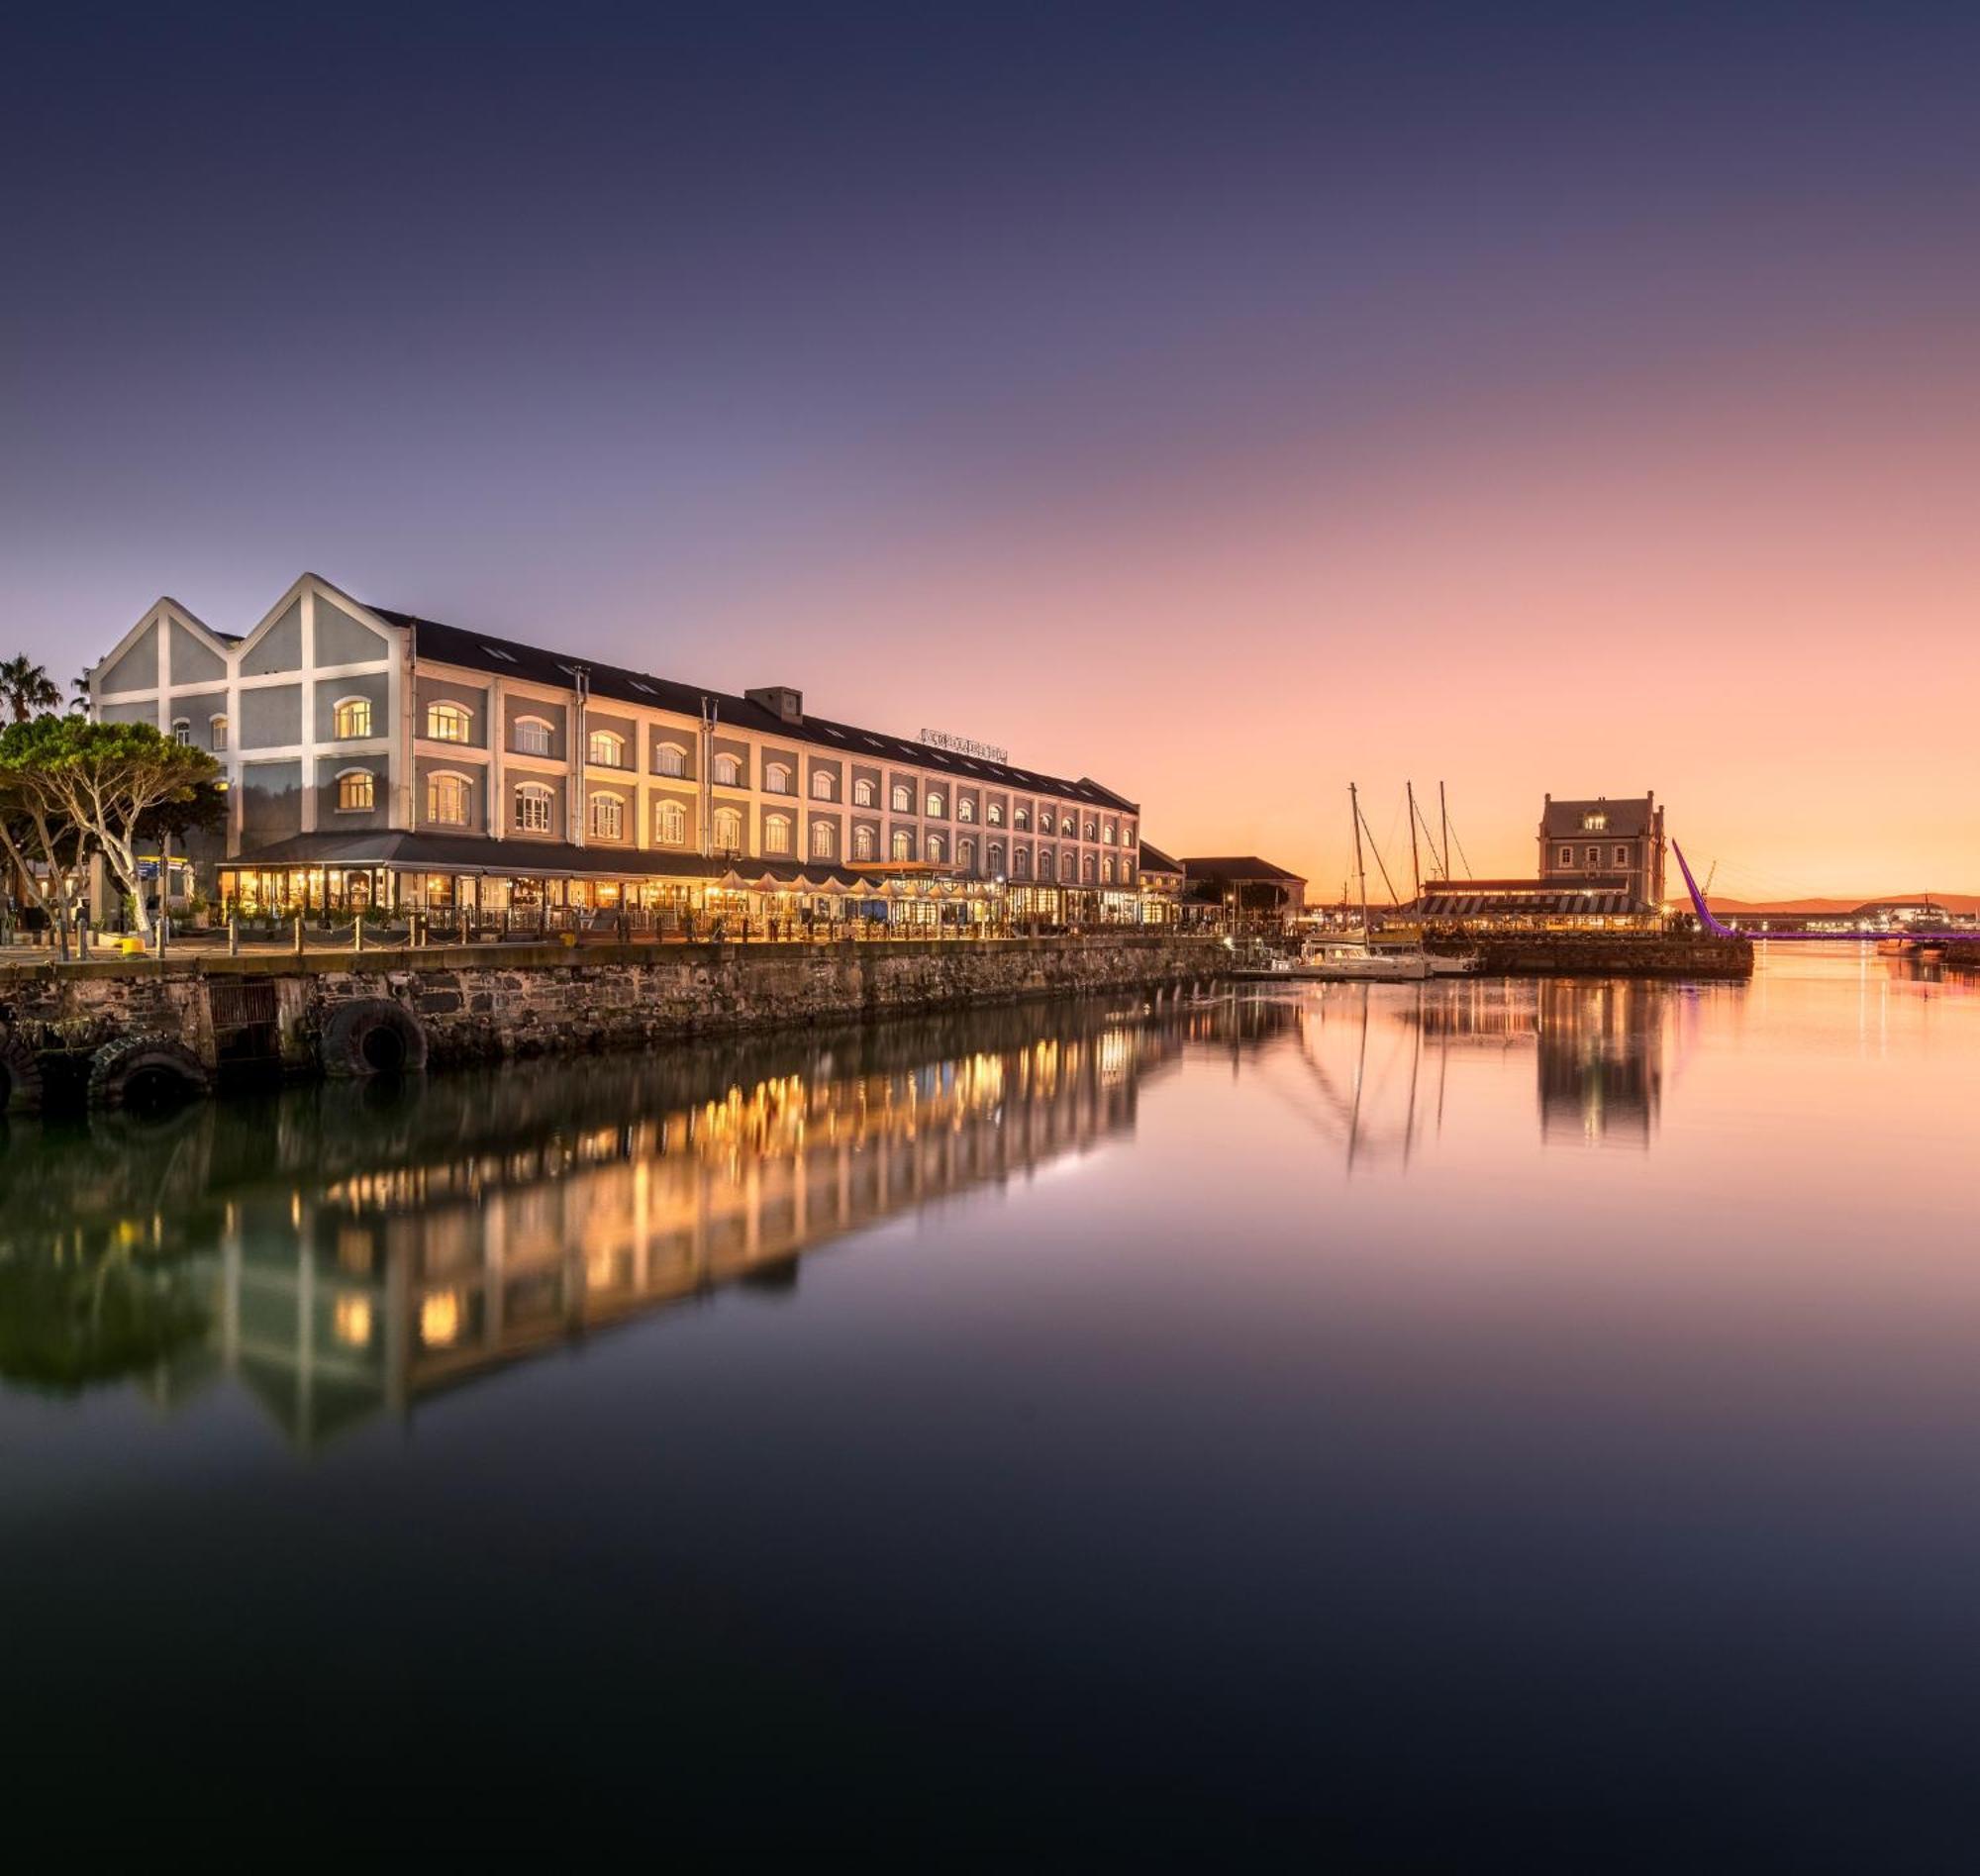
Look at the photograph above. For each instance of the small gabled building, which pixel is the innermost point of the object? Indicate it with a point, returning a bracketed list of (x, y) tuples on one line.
[(1582, 842)]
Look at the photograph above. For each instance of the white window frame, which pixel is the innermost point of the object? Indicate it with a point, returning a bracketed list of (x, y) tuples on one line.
[(371, 780), (902, 846), (466, 783), (541, 724), (727, 821), (778, 779), (219, 732), (662, 751), (727, 769), (450, 710), (338, 732), (862, 792), (777, 835), (668, 815), (614, 811), (864, 844), (824, 785), (609, 739), (542, 802), (903, 798), (825, 840)]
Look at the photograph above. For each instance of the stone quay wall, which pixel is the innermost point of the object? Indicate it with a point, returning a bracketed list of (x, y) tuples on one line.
[(485, 1003), (1616, 954)]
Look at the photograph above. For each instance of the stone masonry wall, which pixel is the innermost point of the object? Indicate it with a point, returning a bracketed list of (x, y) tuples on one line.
[(484, 1003)]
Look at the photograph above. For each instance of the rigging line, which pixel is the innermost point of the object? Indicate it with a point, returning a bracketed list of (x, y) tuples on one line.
[(1462, 854), (1427, 835), (1380, 863)]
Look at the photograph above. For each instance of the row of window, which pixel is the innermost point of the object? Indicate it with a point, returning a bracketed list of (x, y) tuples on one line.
[(1592, 856)]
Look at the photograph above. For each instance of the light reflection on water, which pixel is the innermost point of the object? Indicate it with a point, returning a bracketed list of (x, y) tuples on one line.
[(1404, 1417)]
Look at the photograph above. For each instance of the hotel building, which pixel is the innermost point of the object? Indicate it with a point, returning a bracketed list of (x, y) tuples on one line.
[(373, 758)]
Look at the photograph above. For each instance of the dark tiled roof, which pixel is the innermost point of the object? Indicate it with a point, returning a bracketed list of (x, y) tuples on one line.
[(500, 657), (1243, 866), (1477, 899), (1629, 818), (1154, 860)]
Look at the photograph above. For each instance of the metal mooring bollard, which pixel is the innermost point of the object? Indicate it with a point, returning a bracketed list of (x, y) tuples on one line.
[(299, 934), (357, 934), (233, 937)]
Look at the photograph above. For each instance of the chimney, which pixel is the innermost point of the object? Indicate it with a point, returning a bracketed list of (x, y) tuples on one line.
[(780, 700)]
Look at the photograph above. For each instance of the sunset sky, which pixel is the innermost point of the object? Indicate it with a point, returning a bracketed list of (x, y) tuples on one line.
[(1225, 403)]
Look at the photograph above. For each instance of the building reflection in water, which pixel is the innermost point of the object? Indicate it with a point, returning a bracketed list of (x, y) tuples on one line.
[(349, 1251), (1378, 1057)]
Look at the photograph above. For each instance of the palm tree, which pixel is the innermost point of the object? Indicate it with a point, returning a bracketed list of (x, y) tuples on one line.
[(27, 688), (80, 703)]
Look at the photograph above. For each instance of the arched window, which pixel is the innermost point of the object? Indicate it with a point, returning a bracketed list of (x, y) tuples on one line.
[(996, 814), (608, 818), (903, 798), (904, 844), (1090, 870), (670, 824), (1022, 821), (1067, 824), (824, 839), (534, 805), (728, 831), (217, 729), (965, 855), (182, 731), (1046, 864), (993, 857), (355, 791), (824, 785), (1107, 870), (448, 799), (863, 843), (728, 770), (449, 722), (1021, 863), (605, 748), (778, 779), (934, 855), (777, 834), (936, 805), (965, 809), (862, 793), (1092, 831), (534, 736), (1108, 834), (351, 716), (670, 759)]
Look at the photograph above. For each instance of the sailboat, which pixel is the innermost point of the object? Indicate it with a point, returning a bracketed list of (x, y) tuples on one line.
[(1355, 960)]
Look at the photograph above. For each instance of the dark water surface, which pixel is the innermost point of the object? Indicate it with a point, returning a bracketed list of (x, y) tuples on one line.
[(1456, 1426)]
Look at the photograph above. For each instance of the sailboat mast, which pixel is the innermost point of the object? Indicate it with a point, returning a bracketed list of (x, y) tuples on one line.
[(1360, 867), (1443, 818), (1416, 870)]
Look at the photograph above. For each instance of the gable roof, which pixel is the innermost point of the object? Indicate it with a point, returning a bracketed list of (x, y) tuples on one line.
[(1154, 860), (510, 658), (1629, 816), (1243, 866)]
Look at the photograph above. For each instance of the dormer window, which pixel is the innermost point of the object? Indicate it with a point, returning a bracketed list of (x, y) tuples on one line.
[(1594, 823)]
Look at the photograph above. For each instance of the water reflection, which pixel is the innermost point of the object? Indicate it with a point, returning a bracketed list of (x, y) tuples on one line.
[(345, 1251)]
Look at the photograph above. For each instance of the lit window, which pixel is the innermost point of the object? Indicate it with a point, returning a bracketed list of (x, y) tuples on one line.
[(728, 770), (1108, 835), (353, 717), (533, 809), (355, 791), (822, 782), (728, 831), (1092, 830), (672, 820), (777, 834), (1594, 823), (862, 793), (996, 814), (824, 839), (904, 844), (965, 855), (217, 729), (965, 809), (778, 779), (446, 800), (182, 731), (449, 722), (608, 818), (993, 856), (671, 760), (534, 735), (935, 806), (935, 850), (904, 798), (1021, 820), (605, 748), (1107, 870), (863, 843)]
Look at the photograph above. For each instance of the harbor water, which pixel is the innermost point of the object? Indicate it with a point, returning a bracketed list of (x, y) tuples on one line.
[(1393, 1422)]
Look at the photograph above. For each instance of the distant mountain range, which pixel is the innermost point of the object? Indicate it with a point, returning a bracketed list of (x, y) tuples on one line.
[(1962, 902)]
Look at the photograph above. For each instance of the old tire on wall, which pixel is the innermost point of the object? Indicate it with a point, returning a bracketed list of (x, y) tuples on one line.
[(141, 1069), (20, 1078), (373, 1036)]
